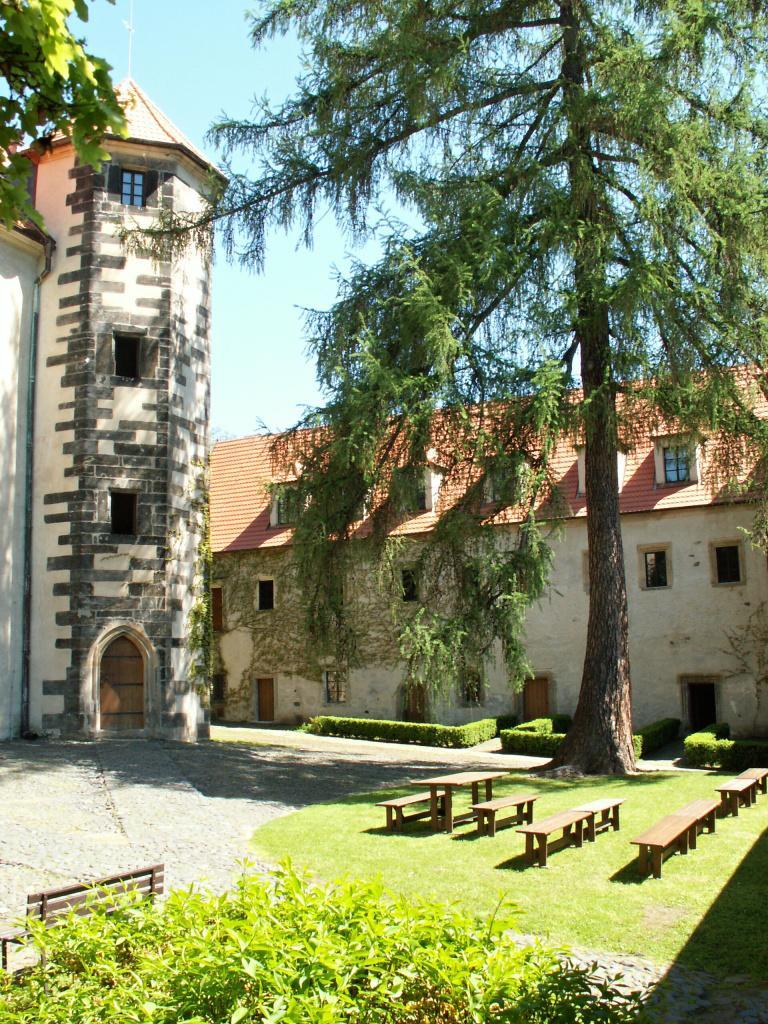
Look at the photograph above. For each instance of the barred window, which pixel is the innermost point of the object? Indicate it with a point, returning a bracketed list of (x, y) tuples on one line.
[(132, 188), (409, 585), (728, 563), (472, 689), (655, 569), (335, 687), (676, 464)]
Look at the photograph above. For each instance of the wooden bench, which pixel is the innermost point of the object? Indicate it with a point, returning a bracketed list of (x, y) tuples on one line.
[(741, 791), (608, 809), (575, 825), (396, 806), (487, 812), (52, 905), (675, 832), (760, 775), (704, 811)]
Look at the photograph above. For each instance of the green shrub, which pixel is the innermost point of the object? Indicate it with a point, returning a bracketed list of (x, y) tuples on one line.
[(657, 734), (425, 733), (506, 722), (556, 723), (282, 949), (533, 744), (720, 730), (705, 750)]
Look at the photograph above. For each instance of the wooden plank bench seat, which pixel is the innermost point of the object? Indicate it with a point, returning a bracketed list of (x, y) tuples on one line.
[(608, 809), (53, 905), (737, 792), (760, 775), (487, 812), (675, 832), (396, 806), (704, 810), (574, 825)]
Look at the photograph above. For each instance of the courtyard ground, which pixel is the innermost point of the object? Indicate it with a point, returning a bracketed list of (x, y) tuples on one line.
[(78, 810)]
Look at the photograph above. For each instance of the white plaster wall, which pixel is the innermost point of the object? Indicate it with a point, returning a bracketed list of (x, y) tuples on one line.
[(20, 265)]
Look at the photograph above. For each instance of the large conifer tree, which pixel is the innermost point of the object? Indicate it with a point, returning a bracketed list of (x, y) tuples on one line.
[(589, 181)]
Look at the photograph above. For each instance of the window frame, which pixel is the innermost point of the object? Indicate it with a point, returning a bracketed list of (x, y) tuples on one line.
[(334, 692), (409, 592), (135, 177), (714, 546), (643, 550), (466, 698), (259, 606), (121, 495), (120, 339)]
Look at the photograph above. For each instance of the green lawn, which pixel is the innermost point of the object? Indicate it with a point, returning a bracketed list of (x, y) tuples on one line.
[(707, 911)]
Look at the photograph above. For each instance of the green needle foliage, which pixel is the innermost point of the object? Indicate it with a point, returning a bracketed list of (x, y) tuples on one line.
[(585, 257), (49, 83), (283, 950)]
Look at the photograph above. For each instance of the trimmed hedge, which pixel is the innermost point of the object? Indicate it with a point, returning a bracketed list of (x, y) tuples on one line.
[(656, 735), (705, 750), (425, 733), (506, 722), (538, 737)]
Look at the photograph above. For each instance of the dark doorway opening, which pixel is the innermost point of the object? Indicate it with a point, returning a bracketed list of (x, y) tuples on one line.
[(702, 705)]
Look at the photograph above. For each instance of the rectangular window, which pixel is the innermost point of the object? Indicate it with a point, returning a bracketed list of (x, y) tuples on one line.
[(655, 569), (676, 464), (128, 356), (728, 563), (266, 595), (218, 688), (132, 188), (409, 584), (217, 609), (123, 508), (335, 688), (472, 689)]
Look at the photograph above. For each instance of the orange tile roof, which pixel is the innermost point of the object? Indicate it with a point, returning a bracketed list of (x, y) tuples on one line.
[(242, 469)]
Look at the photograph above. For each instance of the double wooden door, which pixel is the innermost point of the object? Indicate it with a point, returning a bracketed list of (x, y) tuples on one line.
[(121, 686)]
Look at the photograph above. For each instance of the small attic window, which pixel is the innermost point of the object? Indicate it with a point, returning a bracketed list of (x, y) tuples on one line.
[(128, 356), (132, 188)]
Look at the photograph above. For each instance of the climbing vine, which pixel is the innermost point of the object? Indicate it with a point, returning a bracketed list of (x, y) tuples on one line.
[(200, 620)]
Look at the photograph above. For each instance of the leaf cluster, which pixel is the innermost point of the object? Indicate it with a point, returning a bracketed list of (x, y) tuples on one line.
[(50, 85), (284, 950)]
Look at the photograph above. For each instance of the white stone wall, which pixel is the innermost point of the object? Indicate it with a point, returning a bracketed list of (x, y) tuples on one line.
[(676, 632), (20, 265)]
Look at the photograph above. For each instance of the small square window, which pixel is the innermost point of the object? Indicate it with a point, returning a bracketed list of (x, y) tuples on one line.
[(266, 595), (132, 188), (217, 609), (335, 688), (728, 563), (655, 569), (676, 464), (128, 356), (409, 585), (123, 508)]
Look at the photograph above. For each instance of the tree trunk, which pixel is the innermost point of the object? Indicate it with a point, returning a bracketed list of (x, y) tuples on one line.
[(600, 739)]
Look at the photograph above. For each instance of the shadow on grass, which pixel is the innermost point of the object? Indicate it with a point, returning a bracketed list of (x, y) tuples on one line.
[(630, 874), (516, 863)]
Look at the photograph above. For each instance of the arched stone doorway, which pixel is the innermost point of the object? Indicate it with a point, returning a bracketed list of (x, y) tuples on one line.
[(122, 685)]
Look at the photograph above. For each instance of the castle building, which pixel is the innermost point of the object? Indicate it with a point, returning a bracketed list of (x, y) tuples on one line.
[(697, 595), (105, 404)]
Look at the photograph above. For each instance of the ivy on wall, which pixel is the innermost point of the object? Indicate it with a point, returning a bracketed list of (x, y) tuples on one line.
[(200, 619)]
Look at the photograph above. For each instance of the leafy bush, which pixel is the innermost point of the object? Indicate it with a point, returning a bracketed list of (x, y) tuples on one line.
[(506, 722), (720, 730), (705, 750), (425, 733), (534, 744), (656, 735), (282, 949), (557, 723)]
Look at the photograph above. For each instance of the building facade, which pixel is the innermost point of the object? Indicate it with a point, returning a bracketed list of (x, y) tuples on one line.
[(697, 592), (116, 346)]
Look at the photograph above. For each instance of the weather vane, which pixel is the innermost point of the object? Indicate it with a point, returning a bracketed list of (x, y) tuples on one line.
[(129, 26)]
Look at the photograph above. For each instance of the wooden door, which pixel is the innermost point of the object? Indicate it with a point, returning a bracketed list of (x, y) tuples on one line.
[(415, 704), (265, 700), (121, 686), (536, 698)]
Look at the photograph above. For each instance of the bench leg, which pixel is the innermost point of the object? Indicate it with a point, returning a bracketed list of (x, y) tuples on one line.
[(448, 816), (643, 866), (529, 848), (542, 851), (490, 823), (589, 827), (682, 842), (615, 818), (398, 818), (656, 859), (692, 836), (528, 813), (710, 821)]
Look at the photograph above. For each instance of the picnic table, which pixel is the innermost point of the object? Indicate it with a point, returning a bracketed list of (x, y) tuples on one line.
[(441, 788)]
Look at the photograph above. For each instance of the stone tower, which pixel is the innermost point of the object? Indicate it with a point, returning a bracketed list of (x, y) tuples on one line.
[(120, 431)]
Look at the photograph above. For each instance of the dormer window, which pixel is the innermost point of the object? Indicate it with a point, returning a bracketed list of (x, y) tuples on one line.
[(416, 488), (621, 466), (132, 188), (285, 505), (675, 461)]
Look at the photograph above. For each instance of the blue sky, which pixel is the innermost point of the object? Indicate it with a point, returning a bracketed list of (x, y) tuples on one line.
[(194, 61)]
